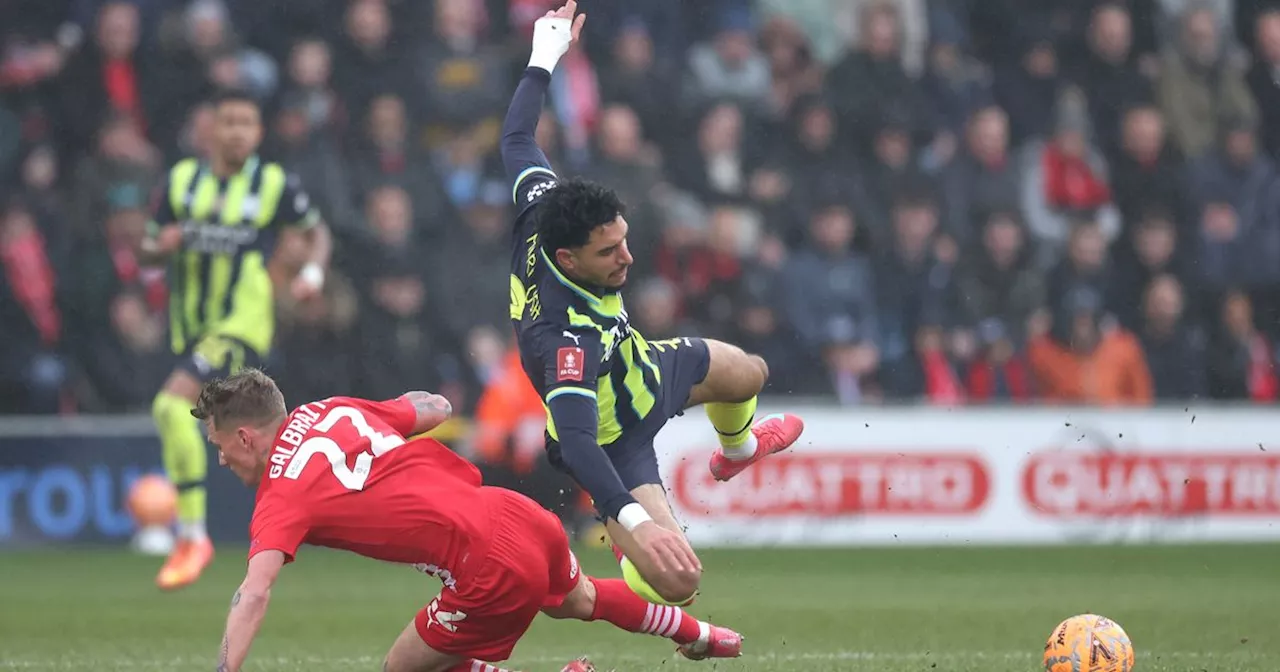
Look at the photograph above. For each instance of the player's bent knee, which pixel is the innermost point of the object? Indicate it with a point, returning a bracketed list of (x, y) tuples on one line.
[(763, 367), (579, 604)]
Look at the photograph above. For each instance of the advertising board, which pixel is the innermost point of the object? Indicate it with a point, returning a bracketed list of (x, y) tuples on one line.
[(933, 476), (856, 477), (66, 481)]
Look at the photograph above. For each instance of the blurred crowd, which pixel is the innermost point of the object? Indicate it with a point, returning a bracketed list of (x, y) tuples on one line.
[(958, 201)]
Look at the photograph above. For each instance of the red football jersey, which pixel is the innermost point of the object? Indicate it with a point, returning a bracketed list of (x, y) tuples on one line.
[(343, 475)]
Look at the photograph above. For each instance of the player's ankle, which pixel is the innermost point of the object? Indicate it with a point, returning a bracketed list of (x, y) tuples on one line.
[(741, 451), (192, 530)]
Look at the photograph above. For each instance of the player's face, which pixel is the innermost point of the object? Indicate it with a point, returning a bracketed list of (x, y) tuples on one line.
[(235, 452), (604, 260), (238, 130)]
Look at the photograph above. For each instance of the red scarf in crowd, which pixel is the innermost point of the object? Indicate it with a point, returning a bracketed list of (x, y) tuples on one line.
[(1069, 182), (1263, 384), (988, 381), (941, 384), (30, 275), (120, 80)]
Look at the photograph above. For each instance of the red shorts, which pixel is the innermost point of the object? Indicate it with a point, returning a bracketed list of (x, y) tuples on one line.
[(529, 567)]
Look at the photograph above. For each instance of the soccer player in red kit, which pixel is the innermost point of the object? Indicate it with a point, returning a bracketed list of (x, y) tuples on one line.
[(342, 473)]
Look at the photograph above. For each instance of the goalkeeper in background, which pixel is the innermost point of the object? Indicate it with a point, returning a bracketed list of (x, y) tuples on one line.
[(217, 224)]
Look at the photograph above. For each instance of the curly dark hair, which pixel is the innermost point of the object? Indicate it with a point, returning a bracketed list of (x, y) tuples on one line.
[(249, 397), (567, 214)]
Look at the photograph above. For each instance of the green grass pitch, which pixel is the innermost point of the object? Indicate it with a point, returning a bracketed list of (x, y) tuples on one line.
[(1188, 609)]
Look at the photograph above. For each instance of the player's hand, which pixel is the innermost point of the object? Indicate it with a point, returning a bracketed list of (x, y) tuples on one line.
[(568, 11), (553, 33), (167, 241), (667, 550)]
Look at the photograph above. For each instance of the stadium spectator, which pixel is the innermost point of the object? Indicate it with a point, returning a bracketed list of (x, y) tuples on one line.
[(793, 70), (998, 372), (122, 173), (107, 77), (386, 154), (637, 78), (33, 371), (1153, 249), (871, 74), (1242, 363), (1263, 75), (1148, 170), (1086, 267), (830, 300), (730, 67), (1201, 85), (477, 248), (460, 79), (1084, 361), (954, 83), (891, 170), (984, 176), (1222, 244), (718, 165), (657, 311), (629, 164), (913, 284), (1175, 346), (998, 283), (815, 161), (319, 331), (1235, 170), (1065, 178), (367, 61), (1027, 87), (1109, 73), (302, 147), (127, 366)]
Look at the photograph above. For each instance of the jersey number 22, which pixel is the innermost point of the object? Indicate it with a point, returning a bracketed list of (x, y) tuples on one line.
[(352, 478)]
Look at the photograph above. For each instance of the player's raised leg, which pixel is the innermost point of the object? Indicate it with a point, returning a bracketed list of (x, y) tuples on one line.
[(729, 393), (612, 601), (186, 464)]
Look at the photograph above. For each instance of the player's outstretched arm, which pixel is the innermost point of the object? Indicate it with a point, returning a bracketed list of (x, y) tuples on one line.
[(248, 607), (432, 410), (552, 35)]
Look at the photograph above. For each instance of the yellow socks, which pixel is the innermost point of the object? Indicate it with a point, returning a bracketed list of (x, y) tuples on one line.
[(185, 460), (732, 422)]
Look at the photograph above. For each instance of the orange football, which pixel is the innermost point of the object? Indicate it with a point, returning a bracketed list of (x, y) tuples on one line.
[(153, 501), (1088, 643)]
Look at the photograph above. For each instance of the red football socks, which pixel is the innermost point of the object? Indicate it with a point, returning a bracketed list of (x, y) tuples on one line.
[(617, 604)]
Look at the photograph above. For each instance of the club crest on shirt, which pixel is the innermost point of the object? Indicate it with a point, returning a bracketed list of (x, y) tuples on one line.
[(569, 364)]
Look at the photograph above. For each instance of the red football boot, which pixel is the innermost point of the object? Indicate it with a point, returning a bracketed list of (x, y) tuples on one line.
[(774, 434), (723, 643), (579, 665)]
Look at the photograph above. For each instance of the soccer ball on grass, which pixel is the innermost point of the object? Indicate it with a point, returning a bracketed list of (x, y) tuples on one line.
[(153, 503), (1088, 643)]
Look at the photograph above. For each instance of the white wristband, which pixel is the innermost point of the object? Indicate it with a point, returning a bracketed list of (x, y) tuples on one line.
[(312, 274), (632, 515)]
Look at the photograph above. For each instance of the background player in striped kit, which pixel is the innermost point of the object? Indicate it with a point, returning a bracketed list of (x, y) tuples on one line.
[(218, 223)]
